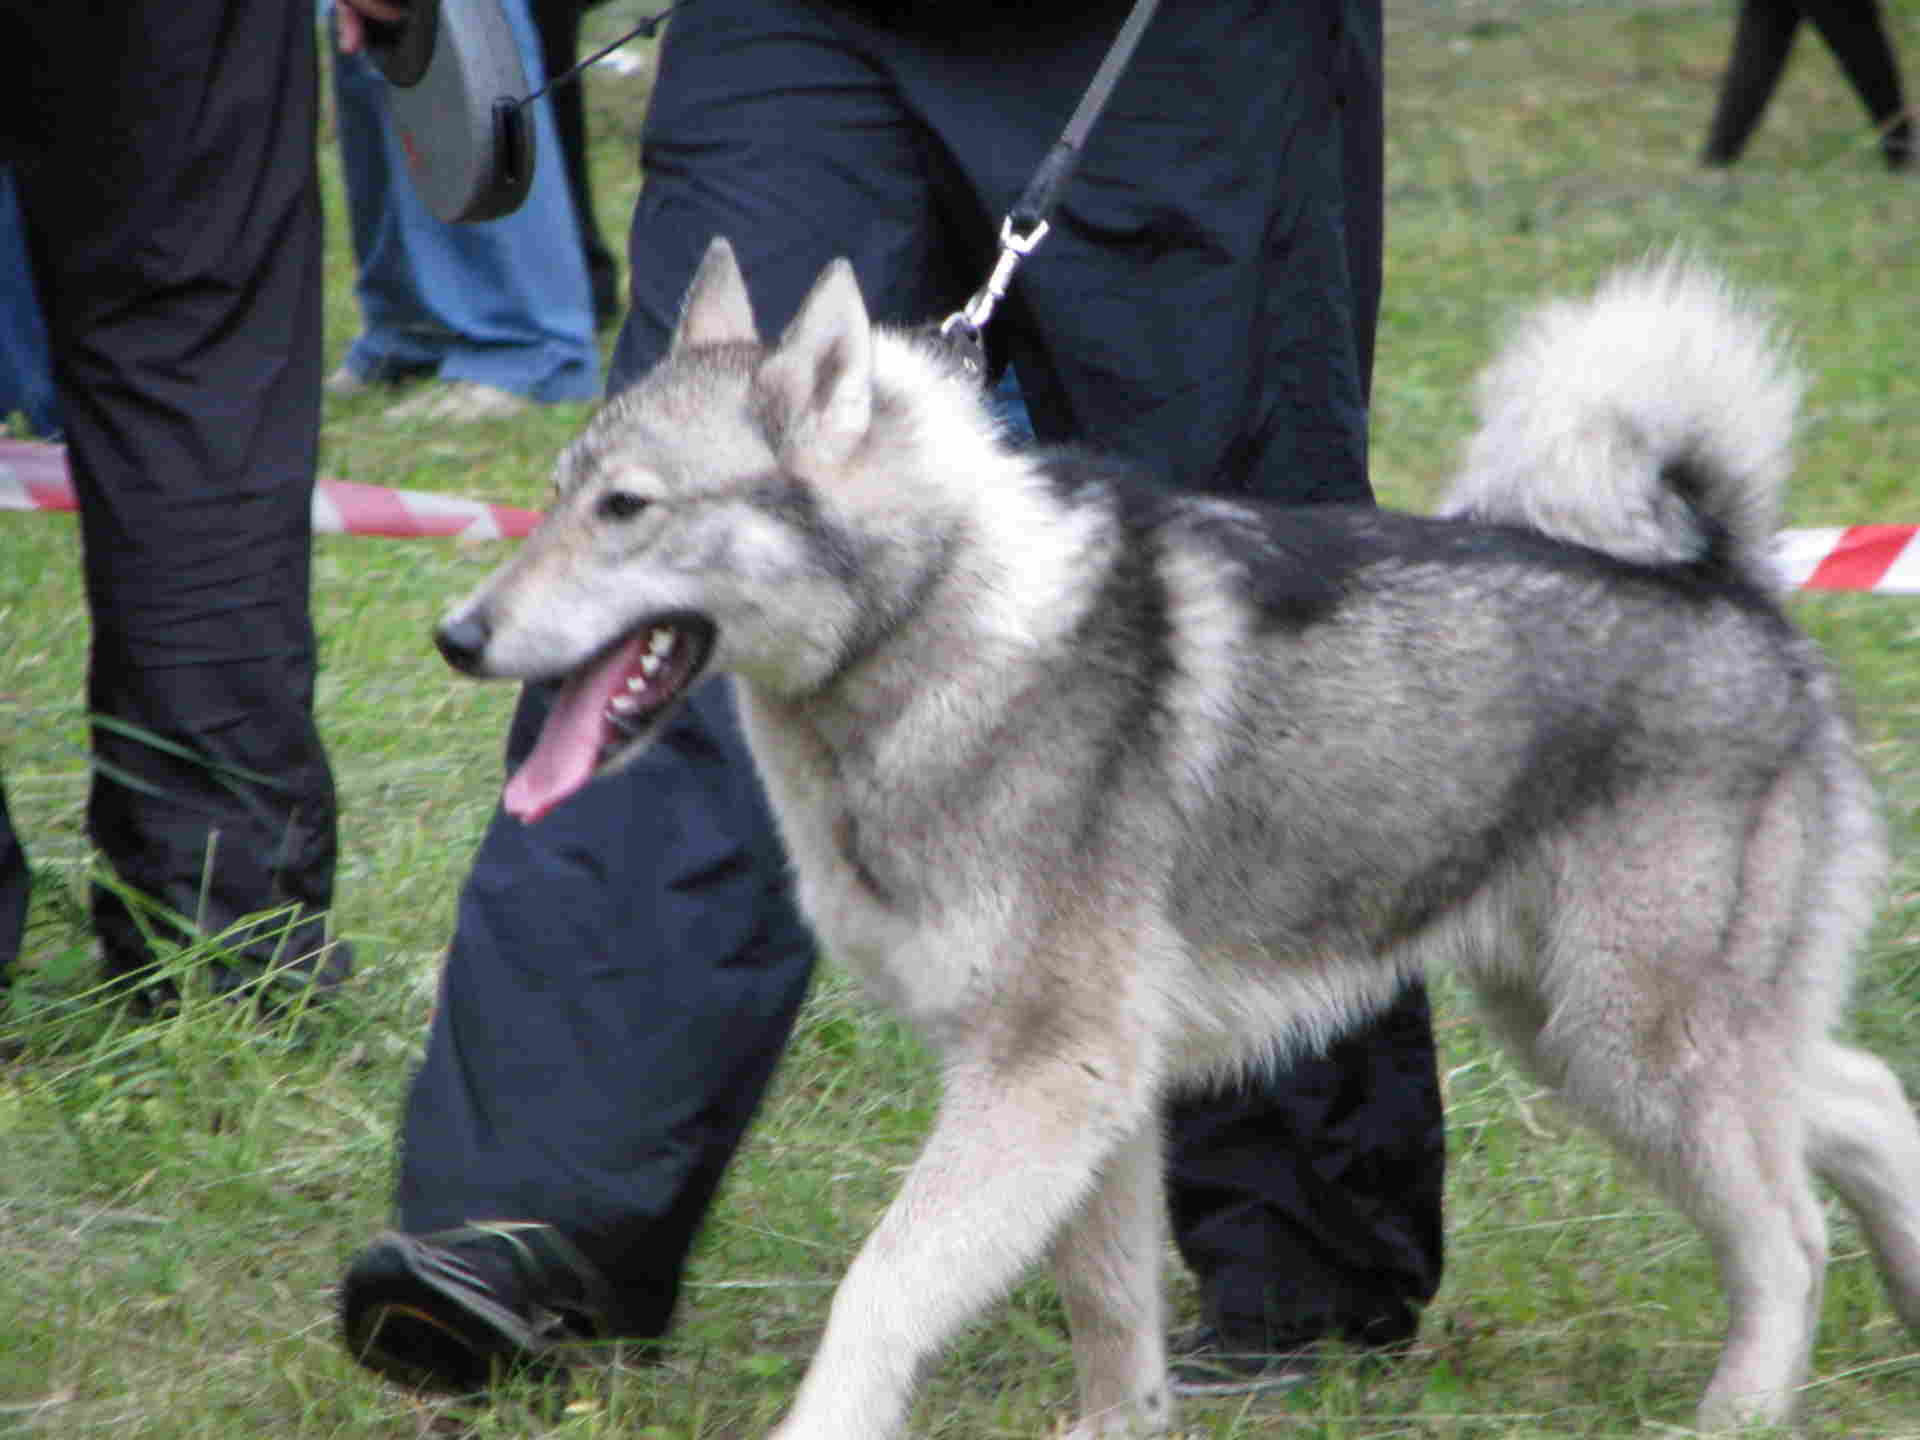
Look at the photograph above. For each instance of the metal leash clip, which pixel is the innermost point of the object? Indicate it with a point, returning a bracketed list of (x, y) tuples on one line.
[(962, 329)]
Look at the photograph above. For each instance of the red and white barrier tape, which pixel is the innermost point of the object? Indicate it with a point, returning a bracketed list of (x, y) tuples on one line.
[(33, 476), (1882, 558), (340, 507)]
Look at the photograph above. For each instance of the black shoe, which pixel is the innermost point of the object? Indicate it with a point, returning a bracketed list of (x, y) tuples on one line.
[(1205, 1362), (458, 1310)]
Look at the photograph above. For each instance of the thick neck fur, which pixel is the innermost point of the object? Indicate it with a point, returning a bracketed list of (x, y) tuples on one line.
[(980, 582), (981, 557)]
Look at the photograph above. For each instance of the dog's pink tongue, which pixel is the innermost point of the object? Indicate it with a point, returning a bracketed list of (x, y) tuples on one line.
[(568, 751)]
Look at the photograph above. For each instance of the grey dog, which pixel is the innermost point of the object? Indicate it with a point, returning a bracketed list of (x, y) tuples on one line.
[(1109, 790)]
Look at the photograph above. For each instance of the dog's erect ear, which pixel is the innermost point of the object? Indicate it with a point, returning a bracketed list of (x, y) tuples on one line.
[(817, 385), (716, 310)]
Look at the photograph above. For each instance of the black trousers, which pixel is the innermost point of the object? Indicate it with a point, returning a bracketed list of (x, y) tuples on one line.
[(168, 184), (1763, 38), (625, 973)]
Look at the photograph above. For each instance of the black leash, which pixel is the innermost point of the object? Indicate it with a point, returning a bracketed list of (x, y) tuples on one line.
[(646, 29), (1027, 223)]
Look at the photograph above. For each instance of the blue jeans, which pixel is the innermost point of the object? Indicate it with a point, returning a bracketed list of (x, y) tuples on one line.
[(26, 367), (502, 302)]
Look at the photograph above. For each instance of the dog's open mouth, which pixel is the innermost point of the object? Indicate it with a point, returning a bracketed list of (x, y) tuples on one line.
[(609, 705)]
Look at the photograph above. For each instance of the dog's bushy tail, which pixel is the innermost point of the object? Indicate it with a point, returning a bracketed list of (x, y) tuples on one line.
[(1653, 421)]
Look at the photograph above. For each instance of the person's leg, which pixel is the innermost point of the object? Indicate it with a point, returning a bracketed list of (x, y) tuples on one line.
[(393, 344), (1347, 1240), (502, 303), (26, 369), (1856, 33), (620, 986), (625, 972), (1762, 39), (182, 287), (558, 22), (16, 886)]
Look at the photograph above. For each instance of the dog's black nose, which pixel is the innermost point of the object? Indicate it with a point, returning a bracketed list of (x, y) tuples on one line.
[(463, 642)]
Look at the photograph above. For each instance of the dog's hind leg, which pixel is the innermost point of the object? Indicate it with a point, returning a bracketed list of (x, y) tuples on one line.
[(1751, 1191), (1730, 1149), (1016, 1152), (1107, 1265), (1842, 1115), (1865, 1142)]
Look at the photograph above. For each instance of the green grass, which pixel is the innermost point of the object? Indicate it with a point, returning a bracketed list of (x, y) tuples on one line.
[(177, 1200)]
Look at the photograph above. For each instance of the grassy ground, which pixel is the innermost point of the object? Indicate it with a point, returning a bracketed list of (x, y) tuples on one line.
[(176, 1201)]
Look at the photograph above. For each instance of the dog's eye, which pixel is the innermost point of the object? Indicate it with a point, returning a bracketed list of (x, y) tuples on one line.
[(621, 505)]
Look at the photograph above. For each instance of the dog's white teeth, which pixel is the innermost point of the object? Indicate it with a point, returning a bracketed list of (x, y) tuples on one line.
[(624, 704), (660, 642), (649, 666), (635, 683)]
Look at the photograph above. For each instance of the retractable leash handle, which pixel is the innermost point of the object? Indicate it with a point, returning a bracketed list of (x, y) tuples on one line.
[(454, 75), (459, 94)]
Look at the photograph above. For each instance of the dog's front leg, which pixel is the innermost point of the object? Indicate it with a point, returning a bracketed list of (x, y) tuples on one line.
[(1012, 1156), (1107, 1265)]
